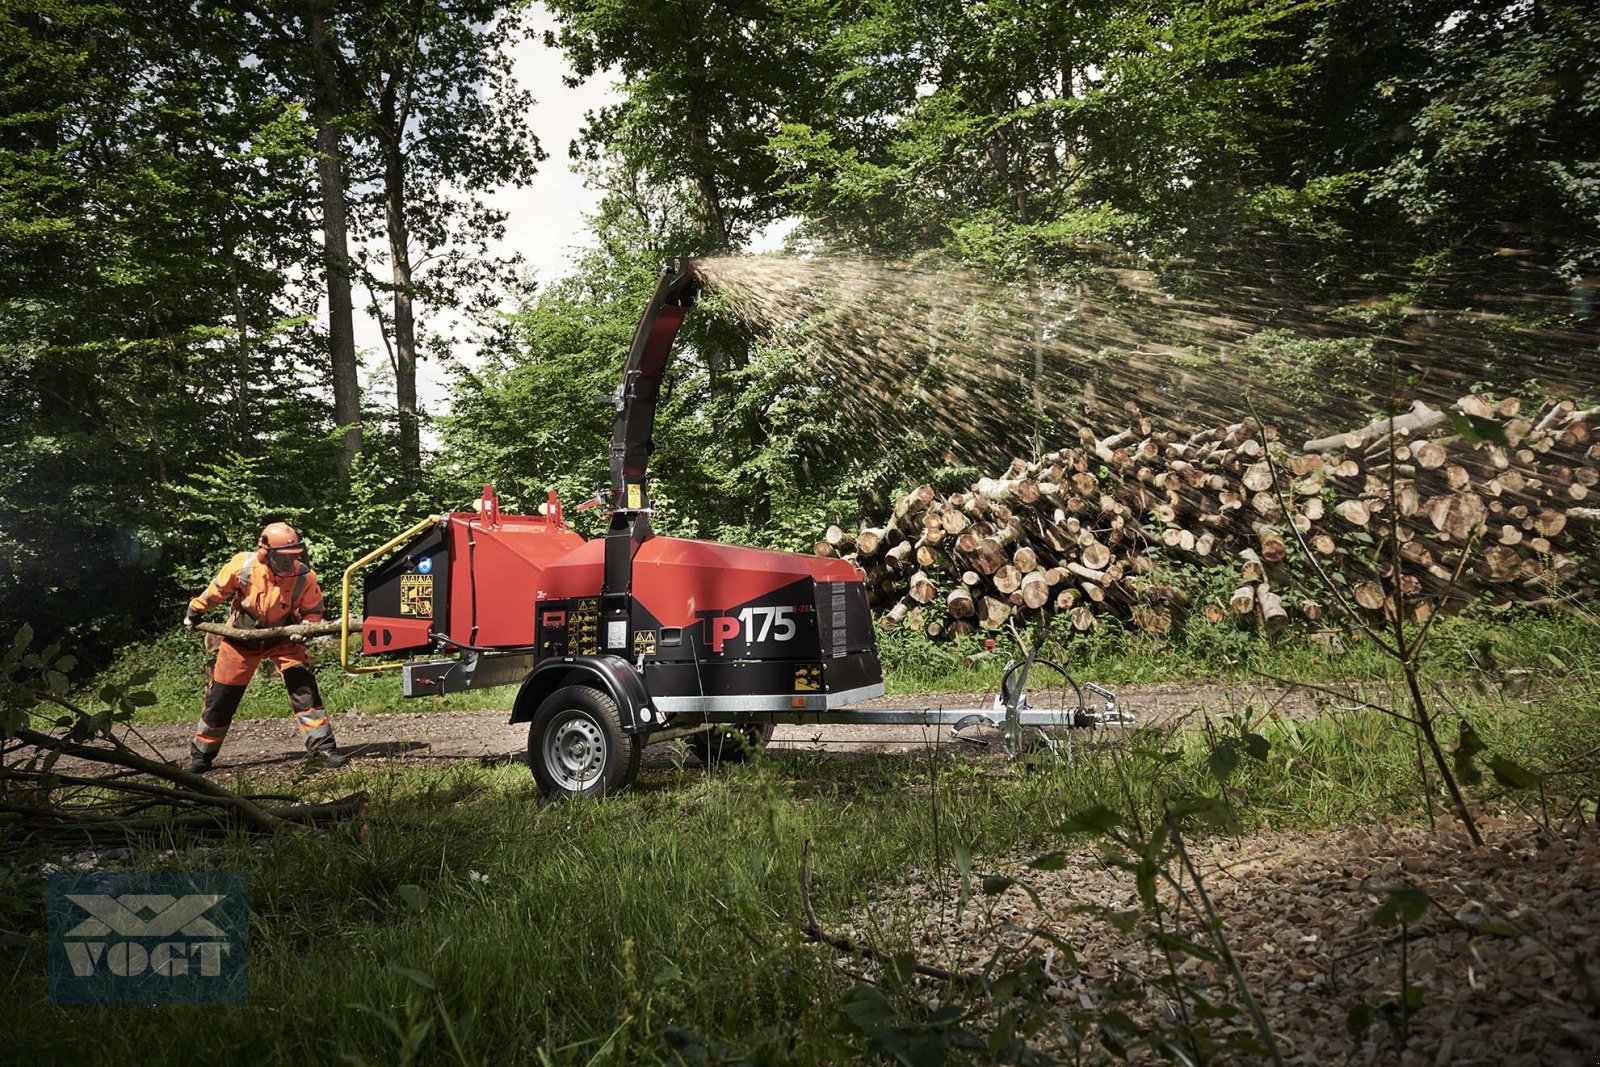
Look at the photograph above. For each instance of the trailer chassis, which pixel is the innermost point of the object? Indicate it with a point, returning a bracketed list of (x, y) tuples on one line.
[(1010, 712)]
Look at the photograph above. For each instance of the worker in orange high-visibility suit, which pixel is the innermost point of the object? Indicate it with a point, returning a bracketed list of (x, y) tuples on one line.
[(271, 586)]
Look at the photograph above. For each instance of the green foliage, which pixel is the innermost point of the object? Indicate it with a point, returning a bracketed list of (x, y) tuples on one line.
[(528, 418), (158, 269), (150, 206), (1316, 170), (1315, 373), (1249, 153), (172, 668), (706, 87), (563, 930), (1477, 430), (1403, 905), (1468, 746), (1471, 646), (749, 453), (157, 171), (34, 685)]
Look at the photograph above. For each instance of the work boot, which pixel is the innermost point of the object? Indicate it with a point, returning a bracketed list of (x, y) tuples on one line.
[(327, 757), (197, 763)]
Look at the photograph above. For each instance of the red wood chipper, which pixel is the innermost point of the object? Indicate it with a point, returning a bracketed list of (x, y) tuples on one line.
[(633, 637)]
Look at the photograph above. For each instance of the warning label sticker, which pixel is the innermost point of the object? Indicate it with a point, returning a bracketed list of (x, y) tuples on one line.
[(583, 631), (416, 595)]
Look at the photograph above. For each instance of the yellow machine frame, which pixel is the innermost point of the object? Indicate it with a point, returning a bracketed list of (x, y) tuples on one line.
[(344, 596)]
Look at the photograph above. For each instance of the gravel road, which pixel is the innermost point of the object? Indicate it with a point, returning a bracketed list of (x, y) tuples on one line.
[(429, 737)]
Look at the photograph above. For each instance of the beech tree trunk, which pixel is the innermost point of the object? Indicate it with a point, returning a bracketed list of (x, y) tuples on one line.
[(405, 336), (335, 242)]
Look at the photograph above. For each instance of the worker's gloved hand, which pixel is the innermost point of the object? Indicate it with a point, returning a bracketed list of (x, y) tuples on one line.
[(191, 619), (298, 639)]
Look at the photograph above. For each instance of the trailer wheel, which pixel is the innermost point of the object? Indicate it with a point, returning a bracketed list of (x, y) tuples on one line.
[(730, 744), (576, 745)]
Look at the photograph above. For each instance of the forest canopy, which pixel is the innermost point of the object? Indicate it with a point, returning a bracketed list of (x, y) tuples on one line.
[(195, 197)]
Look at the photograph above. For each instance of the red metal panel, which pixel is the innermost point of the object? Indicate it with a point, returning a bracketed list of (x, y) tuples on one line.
[(577, 574), (497, 570), (674, 578), (662, 332), (380, 634)]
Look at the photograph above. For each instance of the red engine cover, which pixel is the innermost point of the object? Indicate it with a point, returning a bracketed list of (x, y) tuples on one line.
[(495, 569), (673, 578)]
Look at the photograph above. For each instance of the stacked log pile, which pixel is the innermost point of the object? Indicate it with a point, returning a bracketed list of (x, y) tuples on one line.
[(1129, 524)]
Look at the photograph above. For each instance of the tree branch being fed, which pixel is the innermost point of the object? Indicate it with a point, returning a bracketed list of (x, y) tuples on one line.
[(270, 633)]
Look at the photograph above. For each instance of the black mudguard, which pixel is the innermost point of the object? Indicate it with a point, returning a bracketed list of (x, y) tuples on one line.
[(610, 674)]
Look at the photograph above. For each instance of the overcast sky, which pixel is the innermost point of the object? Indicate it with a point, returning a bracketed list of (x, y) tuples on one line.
[(546, 216)]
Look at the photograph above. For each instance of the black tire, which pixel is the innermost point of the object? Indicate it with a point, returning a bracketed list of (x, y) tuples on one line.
[(730, 744), (577, 747)]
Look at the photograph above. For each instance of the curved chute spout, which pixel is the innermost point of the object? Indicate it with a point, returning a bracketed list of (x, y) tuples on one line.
[(632, 439)]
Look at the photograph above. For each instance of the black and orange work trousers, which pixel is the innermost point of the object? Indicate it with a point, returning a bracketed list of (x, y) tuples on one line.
[(236, 665)]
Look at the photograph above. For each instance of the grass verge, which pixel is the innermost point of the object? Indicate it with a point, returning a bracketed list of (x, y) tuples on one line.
[(1460, 646), (478, 924)]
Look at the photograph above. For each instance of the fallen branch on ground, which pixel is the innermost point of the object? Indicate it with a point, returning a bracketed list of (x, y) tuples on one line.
[(62, 824), (813, 931), (31, 808), (197, 789)]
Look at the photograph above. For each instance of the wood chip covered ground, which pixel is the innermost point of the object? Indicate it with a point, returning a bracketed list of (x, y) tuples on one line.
[(1507, 954)]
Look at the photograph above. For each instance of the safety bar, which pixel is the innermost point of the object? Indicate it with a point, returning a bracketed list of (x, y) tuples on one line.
[(344, 596)]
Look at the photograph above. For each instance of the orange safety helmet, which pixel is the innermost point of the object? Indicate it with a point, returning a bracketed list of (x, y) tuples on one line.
[(280, 547)]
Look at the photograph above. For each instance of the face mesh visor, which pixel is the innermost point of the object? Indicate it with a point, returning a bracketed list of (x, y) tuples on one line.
[(283, 560)]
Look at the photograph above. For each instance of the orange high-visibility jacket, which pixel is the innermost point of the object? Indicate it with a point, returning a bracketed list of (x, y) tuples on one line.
[(261, 598)]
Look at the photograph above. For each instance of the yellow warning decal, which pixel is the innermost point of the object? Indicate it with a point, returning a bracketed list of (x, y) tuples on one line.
[(583, 632), (635, 495), (416, 595), (807, 678), (644, 642)]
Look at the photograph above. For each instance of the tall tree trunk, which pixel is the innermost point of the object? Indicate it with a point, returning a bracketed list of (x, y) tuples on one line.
[(727, 349), (714, 230), (244, 357), (1012, 177), (998, 151), (335, 245), (715, 226), (405, 340)]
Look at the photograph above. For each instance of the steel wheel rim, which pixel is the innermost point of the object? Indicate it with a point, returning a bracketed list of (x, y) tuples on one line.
[(575, 752)]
